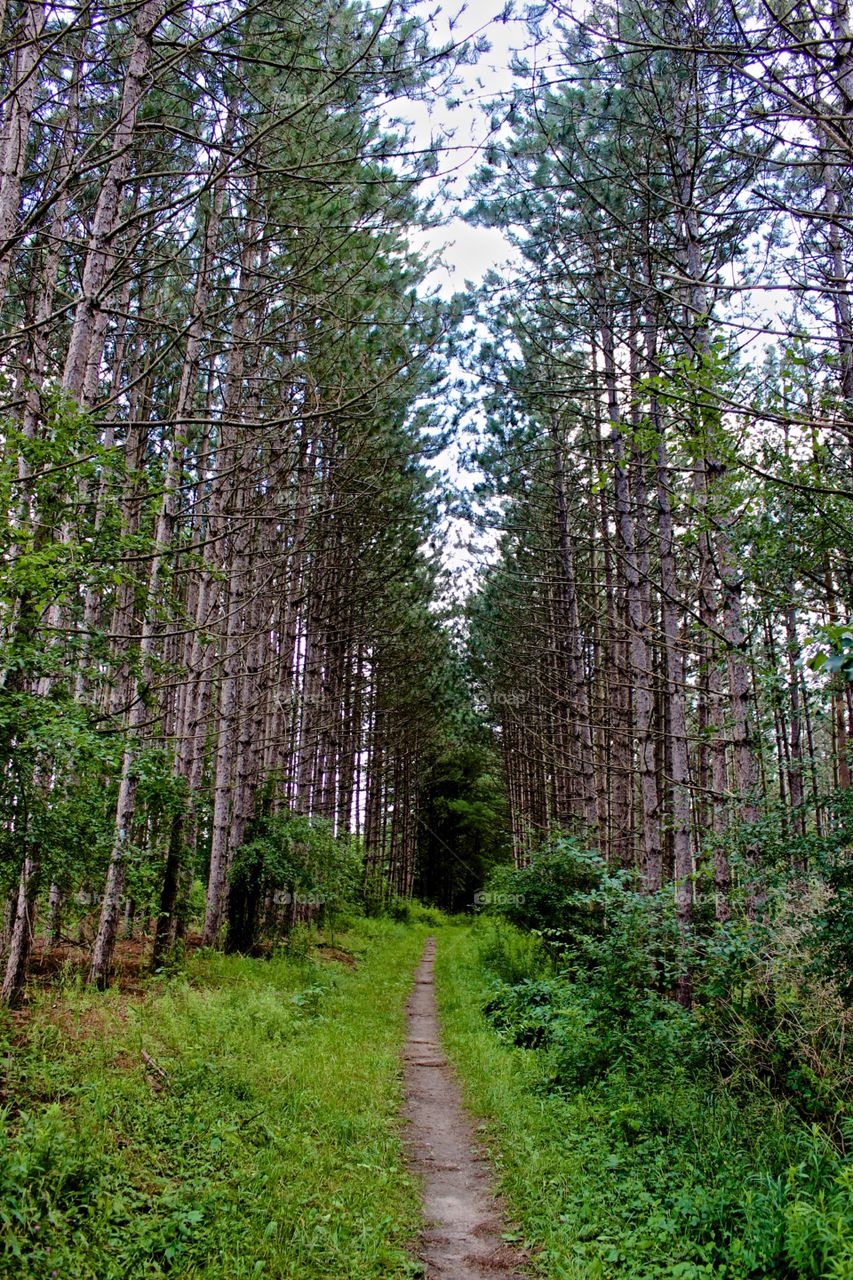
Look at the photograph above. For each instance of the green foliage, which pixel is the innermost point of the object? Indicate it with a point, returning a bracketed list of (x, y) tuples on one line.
[(251, 1147), (463, 807), (831, 935), (632, 1158), (293, 860), (526, 1012), (554, 894), (510, 953), (594, 972), (54, 797), (592, 1001), (410, 911), (594, 922), (809, 875), (836, 654)]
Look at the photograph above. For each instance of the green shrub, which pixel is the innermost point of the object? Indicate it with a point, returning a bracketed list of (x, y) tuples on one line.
[(289, 860), (410, 911), (830, 937), (526, 1012), (555, 894), (623, 1151), (510, 954), (764, 1014)]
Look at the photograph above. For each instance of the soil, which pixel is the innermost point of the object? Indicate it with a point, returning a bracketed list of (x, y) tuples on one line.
[(328, 952), (465, 1233)]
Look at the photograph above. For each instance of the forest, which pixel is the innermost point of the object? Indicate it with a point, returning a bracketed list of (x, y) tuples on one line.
[(426, 715)]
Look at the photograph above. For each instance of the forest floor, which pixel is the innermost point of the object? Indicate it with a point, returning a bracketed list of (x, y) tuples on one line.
[(302, 1117), (235, 1119), (655, 1169), (465, 1236)]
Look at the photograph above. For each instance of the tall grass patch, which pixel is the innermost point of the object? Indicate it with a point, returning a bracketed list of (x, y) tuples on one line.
[(238, 1120)]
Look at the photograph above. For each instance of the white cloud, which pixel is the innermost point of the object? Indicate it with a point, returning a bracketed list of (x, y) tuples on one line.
[(467, 253)]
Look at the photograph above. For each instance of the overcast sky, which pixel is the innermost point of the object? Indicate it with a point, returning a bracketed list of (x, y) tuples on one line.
[(468, 251)]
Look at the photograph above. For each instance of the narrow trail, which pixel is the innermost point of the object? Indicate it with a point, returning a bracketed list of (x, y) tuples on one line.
[(462, 1240)]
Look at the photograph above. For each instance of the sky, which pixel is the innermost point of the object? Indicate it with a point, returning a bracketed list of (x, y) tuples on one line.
[(466, 252)]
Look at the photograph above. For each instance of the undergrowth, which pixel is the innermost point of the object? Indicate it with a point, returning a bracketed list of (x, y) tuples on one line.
[(238, 1120), (634, 1137)]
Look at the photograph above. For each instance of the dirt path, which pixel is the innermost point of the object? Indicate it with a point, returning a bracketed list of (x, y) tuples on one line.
[(462, 1240)]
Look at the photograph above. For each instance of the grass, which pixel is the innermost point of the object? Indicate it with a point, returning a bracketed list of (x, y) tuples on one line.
[(648, 1176), (239, 1119)]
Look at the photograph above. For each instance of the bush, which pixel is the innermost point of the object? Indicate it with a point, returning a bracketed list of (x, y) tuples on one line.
[(716, 1137), (830, 936), (511, 954), (588, 982), (624, 1149), (555, 894), (588, 1034), (525, 1013), (700, 1111), (289, 861), (764, 1013), (410, 911)]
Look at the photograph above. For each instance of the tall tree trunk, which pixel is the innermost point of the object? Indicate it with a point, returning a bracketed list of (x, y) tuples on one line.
[(21, 939), (580, 699), (104, 222), (15, 133), (641, 664)]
